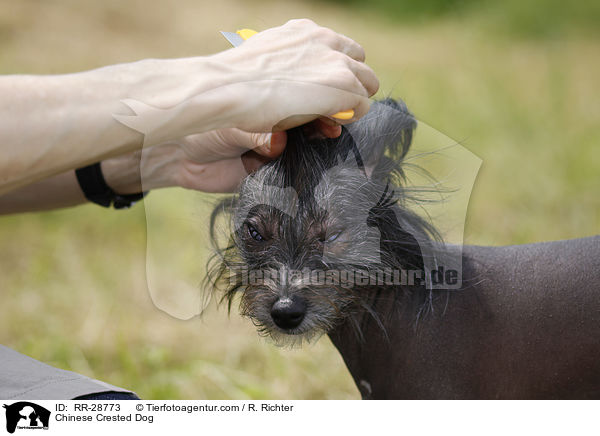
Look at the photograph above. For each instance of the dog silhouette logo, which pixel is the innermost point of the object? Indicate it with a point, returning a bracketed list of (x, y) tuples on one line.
[(26, 415)]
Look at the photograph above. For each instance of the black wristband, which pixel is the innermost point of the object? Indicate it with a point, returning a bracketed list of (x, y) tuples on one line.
[(94, 187)]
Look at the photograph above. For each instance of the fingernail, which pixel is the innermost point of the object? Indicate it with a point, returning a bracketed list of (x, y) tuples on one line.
[(269, 143)]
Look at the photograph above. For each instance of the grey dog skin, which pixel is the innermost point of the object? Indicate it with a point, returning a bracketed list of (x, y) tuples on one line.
[(525, 324)]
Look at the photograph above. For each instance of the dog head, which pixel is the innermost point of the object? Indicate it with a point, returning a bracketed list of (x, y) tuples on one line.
[(313, 230)]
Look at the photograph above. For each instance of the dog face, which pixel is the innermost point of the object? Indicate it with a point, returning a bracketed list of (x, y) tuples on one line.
[(311, 230), (298, 250)]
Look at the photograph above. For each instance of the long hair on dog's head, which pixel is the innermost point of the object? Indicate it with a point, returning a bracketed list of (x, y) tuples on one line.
[(325, 204)]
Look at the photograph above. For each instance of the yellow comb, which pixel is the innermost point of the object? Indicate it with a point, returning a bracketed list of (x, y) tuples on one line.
[(246, 33), (343, 115)]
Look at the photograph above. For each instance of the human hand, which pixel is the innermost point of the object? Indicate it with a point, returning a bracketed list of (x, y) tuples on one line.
[(296, 72), (278, 79), (214, 161)]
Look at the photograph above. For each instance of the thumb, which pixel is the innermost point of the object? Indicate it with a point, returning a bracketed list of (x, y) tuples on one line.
[(269, 145), (257, 157)]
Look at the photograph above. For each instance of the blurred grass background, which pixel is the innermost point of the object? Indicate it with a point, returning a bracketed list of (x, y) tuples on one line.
[(516, 82)]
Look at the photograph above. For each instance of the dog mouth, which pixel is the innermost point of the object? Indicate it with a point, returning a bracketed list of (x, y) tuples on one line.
[(288, 319), (298, 331), (290, 333)]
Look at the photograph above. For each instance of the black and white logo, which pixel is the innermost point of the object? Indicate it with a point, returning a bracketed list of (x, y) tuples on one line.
[(26, 415)]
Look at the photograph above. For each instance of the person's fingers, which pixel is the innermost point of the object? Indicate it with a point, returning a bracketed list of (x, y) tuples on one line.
[(266, 144), (328, 121), (252, 141), (257, 157), (366, 76), (328, 127), (253, 161), (364, 104), (322, 128), (345, 45), (274, 147), (293, 121), (359, 105)]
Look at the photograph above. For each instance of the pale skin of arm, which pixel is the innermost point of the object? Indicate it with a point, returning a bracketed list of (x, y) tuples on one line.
[(52, 124), (164, 166)]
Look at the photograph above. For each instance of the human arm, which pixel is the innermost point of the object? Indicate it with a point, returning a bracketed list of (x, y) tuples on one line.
[(173, 164), (163, 166), (50, 124)]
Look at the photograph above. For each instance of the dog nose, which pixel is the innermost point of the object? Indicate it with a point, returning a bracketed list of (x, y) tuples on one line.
[(288, 313)]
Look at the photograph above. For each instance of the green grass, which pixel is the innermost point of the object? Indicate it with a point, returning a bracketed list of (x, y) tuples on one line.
[(515, 18), (73, 284)]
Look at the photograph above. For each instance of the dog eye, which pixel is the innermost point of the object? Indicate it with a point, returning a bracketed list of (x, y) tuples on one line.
[(254, 234), (332, 238)]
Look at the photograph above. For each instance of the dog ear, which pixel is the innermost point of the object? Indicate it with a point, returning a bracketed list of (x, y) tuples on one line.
[(386, 131)]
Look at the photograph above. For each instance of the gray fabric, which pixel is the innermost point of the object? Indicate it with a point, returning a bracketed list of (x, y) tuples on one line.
[(24, 378)]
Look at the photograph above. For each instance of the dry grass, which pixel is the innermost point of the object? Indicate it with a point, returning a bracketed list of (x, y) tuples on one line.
[(72, 282)]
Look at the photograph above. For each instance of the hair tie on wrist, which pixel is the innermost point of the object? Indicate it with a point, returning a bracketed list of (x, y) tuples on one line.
[(94, 187)]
